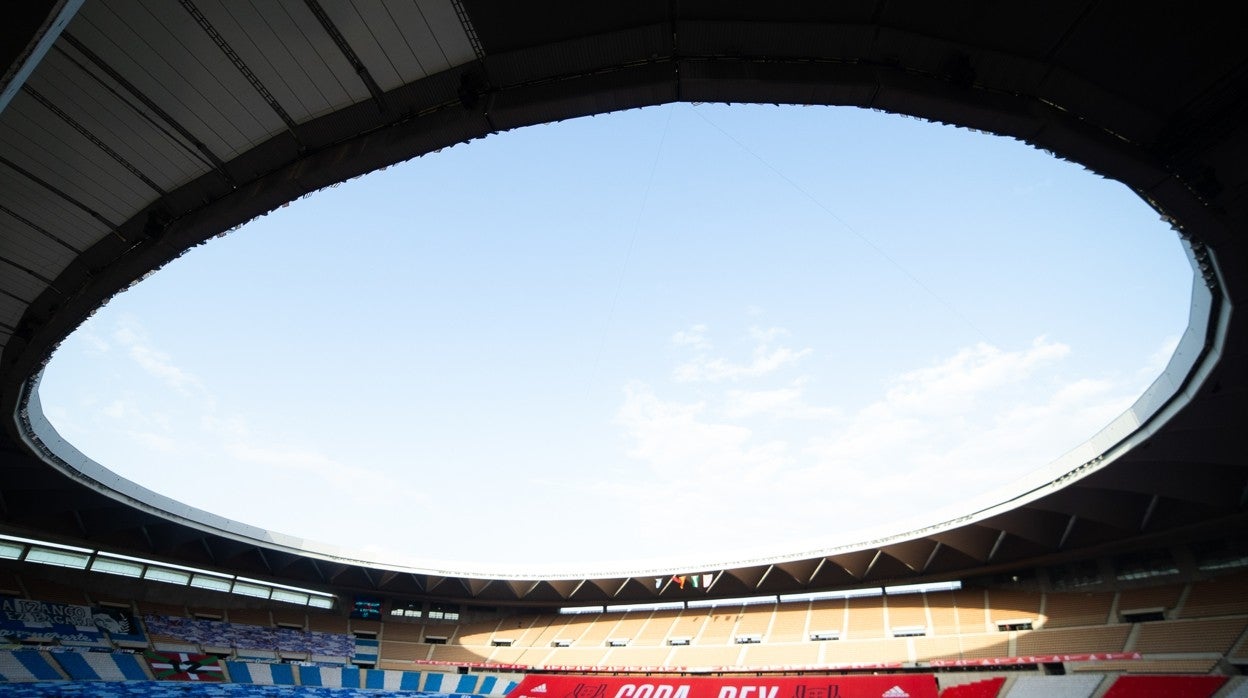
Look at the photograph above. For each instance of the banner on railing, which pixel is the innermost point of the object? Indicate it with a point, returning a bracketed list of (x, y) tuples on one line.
[(496, 666), (183, 666), (27, 619), (1036, 659), (887, 686)]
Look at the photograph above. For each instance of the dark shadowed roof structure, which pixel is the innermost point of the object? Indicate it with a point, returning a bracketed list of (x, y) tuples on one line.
[(131, 131)]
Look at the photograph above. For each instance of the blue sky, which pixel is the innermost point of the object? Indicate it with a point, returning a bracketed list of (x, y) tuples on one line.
[(682, 333)]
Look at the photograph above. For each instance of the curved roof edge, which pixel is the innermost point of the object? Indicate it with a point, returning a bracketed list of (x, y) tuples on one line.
[(1197, 352)]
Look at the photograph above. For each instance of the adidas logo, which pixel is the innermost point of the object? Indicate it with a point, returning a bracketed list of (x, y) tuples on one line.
[(540, 688), (895, 692)]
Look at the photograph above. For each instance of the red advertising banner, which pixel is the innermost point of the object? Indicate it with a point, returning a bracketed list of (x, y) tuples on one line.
[(889, 686), (669, 668)]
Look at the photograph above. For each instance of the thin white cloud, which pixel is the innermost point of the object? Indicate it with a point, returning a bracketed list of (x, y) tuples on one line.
[(966, 425), (961, 426), (94, 343), (302, 467), (955, 382), (160, 443), (766, 359), (127, 411), (766, 335), (697, 469), (694, 337), (714, 370), (676, 439), (154, 362), (779, 403)]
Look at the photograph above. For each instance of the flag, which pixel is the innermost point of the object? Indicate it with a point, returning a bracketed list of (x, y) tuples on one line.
[(181, 666), (697, 581)]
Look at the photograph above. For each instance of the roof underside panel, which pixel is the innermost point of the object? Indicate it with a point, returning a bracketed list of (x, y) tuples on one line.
[(96, 102), (289, 53), (581, 55), (11, 310), (14, 281), (38, 254), (398, 43), (1028, 30), (45, 209), (168, 57), (41, 143), (505, 26), (1126, 56)]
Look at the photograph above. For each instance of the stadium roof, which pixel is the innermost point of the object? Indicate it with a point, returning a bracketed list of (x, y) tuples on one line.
[(131, 132)]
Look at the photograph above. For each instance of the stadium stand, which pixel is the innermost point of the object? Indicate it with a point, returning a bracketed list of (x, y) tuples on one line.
[(1012, 607), (479, 633), (640, 656), (790, 622), (576, 656), (1071, 609), (927, 649), (907, 612), (1164, 598), (261, 674), (1090, 640), (101, 666), (658, 628), (630, 625), (864, 618), (984, 688), (1214, 636), (780, 655), (1237, 687), (719, 625), (9, 585), (971, 607), (254, 640), (456, 654), (326, 623), (1076, 686), (1170, 686), (1221, 596), (290, 618), (827, 617), (52, 592), (27, 665), (756, 619), (644, 639), (1145, 666), (252, 616), (364, 652)]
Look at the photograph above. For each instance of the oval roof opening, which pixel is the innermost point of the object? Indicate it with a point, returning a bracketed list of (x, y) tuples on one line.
[(689, 333)]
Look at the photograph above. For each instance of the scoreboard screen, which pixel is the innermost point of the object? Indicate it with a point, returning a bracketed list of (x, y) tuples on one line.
[(366, 608)]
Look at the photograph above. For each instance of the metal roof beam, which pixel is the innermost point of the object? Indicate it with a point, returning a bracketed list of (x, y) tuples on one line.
[(200, 149), (349, 53), (242, 67)]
